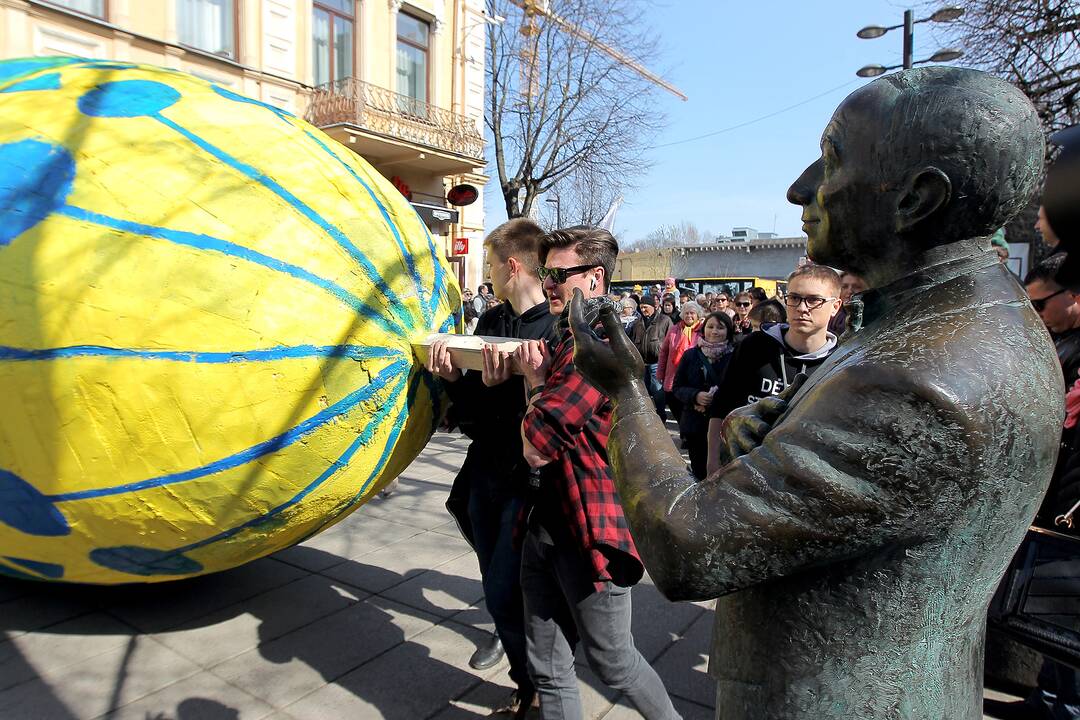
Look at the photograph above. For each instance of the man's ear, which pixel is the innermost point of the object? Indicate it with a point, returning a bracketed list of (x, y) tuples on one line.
[(925, 192)]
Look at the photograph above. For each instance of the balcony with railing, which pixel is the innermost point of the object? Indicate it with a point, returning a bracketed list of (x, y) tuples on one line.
[(390, 114)]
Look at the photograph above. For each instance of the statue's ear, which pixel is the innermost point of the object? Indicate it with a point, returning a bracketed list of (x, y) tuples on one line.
[(925, 192)]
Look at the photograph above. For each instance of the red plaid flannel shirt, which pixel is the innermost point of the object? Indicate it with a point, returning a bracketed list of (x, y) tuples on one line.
[(569, 421)]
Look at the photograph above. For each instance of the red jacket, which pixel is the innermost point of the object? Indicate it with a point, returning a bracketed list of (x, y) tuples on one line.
[(672, 348)]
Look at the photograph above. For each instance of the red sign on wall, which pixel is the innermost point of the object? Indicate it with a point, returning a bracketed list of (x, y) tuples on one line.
[(461, 246)]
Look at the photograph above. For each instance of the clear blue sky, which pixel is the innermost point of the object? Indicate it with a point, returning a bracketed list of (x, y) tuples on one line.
[(738, 61)]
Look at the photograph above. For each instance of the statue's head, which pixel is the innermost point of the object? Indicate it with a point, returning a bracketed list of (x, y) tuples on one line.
[(916, 159)]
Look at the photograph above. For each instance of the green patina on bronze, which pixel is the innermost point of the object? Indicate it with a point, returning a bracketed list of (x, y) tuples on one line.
[(858, 534)]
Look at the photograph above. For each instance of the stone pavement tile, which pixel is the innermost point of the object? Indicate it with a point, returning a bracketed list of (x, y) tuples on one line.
[(203, 696), (623, 710), (449, 528), (684, 668), (439, 469), (298, 663), (421, 519), (413, 680), (394, 564), (162, 606), (229, 632), (476, 616), (479, 701), (423, 511), (65, 644), (657, 621), (354, 536), (98, 685), (453, 587), (42, 608)]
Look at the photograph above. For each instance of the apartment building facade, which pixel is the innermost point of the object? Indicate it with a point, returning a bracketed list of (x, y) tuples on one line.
[(399, 83)]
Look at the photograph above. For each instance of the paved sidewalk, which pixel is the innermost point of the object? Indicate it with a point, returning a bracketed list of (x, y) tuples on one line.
[(375, 618)]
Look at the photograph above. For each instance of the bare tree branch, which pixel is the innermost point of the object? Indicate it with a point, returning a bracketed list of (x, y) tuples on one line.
[(1032, 43), (564, 116)]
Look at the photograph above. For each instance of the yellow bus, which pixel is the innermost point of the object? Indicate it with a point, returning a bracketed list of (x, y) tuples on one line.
[(730, 285)]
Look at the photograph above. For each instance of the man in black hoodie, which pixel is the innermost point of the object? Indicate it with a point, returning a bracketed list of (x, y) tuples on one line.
[(488, 492), (768, 360)]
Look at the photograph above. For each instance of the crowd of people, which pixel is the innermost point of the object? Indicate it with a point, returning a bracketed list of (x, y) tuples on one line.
[(535, 495)]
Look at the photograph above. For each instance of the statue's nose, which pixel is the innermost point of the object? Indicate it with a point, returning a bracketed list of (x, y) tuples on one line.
[(802, 190)]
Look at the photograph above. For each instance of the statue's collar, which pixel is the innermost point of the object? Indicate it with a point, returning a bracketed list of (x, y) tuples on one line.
[(870, 305)]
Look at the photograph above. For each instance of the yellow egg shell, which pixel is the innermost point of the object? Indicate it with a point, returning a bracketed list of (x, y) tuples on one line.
[(206, 308)]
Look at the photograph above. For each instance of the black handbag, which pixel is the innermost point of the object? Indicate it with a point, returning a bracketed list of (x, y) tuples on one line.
[(1038, 601)]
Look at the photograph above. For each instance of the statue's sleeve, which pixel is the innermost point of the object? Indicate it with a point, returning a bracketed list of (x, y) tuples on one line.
[(868, 457)]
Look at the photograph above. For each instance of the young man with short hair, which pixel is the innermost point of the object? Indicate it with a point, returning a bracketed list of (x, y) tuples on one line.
[(489, 491), (578, 560), (769, 359), (1059, 309)]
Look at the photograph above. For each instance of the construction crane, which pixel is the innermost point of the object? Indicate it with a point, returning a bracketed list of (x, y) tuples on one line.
[(530, 29)]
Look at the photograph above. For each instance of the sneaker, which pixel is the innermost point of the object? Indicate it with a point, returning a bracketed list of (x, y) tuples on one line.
[(487, 655)]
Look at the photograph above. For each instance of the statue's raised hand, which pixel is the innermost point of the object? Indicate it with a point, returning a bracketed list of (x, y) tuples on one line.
[(611, 366), (745, 428)]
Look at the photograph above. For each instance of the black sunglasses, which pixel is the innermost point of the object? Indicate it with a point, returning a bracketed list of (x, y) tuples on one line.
[(743, 304), (559, 275), (1040, 304)]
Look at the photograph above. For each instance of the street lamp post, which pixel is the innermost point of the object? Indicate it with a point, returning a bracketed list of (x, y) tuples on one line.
[(558, 209), (945, 14), (909, 39)]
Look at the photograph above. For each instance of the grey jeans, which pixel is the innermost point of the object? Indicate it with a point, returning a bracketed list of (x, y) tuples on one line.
[(562, 606)]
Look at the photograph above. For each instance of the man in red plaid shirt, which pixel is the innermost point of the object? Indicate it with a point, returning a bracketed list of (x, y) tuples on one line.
[(578, 559)]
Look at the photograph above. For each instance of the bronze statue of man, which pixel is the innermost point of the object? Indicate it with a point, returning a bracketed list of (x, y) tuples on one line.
[(856, 539)]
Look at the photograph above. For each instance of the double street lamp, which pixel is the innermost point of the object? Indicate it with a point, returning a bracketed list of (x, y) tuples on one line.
[(945, 14)]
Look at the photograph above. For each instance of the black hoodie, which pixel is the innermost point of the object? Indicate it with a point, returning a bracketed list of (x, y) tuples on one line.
[(491, 416), (763, 365)]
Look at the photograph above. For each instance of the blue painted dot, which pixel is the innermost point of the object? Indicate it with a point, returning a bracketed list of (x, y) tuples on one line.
[(24, 508), (128, 98), (45, 569), (35, 180), (24, 66), (17, 574), (145, 561), (48, 81)]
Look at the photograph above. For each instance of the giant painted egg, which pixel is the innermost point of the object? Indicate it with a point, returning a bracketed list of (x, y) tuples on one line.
[(206, 308)]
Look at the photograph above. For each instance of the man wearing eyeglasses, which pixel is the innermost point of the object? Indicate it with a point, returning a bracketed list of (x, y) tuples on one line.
[(578, 559), (1059, 310), (768, 360)]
